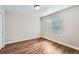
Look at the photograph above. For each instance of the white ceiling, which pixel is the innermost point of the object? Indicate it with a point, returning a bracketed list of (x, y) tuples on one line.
[(28, 9)]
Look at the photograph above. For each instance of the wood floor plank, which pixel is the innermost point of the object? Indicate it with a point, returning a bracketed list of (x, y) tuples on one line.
[(37, 46)]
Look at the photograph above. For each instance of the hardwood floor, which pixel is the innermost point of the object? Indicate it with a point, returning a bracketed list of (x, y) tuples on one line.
[(37, 46)]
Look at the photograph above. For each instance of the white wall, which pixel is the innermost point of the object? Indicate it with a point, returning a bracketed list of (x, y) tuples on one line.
[(21, 27), (70, 35)]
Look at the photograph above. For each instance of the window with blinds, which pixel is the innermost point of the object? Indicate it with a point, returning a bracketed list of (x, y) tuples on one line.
[(55, 25)]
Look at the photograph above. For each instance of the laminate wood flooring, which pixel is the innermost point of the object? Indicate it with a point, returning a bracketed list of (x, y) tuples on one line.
[(37, 46)]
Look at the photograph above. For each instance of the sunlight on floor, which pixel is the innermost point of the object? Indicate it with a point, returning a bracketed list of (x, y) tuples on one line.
[(47, 48)]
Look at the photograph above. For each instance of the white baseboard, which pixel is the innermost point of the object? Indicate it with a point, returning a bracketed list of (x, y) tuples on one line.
[(62, 43), (22, 40)]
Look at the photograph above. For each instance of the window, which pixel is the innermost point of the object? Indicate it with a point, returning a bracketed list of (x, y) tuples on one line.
[(55, 25)]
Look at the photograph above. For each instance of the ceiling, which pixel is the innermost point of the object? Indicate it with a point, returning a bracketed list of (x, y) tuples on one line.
[(28, 9)]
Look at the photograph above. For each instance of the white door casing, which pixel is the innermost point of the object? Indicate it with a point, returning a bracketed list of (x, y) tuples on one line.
[(1, 32)]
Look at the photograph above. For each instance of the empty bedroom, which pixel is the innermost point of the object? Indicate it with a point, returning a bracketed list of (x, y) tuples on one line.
[(39, 29)]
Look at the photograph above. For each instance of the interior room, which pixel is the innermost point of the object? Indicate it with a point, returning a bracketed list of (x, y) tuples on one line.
[(39, 29)]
